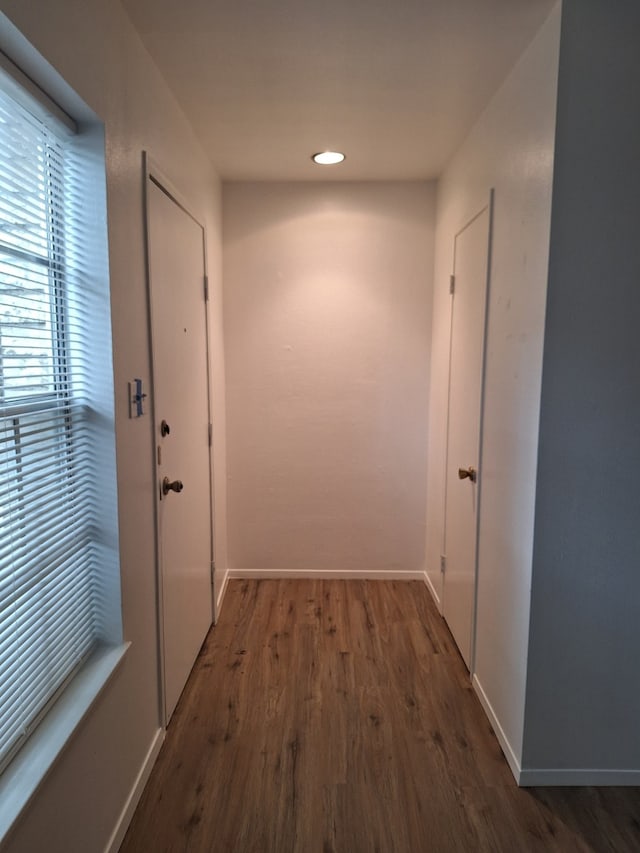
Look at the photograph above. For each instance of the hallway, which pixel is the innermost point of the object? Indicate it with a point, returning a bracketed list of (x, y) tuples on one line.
[(337, 716)]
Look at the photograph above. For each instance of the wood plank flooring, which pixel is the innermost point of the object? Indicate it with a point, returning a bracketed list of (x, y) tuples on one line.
[(337, 717)]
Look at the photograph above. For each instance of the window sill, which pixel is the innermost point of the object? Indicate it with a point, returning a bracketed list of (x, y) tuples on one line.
[(29, 768)]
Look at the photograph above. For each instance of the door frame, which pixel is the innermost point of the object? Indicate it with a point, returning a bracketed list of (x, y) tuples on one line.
[(153, 174), (490, 206)]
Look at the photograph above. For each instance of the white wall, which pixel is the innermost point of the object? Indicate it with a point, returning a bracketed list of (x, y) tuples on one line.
[(511, 149), (95, 49), (583, 687), (328, 325)]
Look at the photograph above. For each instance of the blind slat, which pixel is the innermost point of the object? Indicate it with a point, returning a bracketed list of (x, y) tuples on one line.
[(48, 586)]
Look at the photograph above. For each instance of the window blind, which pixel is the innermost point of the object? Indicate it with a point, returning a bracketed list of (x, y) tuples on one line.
[(49, 607)]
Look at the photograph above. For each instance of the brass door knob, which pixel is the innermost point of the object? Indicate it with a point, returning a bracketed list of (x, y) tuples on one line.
[(171, 486), (468, 473)]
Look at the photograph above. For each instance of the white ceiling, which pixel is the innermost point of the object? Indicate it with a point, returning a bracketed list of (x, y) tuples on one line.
[(395, 84)]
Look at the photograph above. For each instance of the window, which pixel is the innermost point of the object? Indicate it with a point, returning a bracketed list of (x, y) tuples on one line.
[(53, 535)]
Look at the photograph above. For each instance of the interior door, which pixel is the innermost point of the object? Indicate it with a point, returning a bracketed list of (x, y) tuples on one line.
[(181, 421), (471, 261)]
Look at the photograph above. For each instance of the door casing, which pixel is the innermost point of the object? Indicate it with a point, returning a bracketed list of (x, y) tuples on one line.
[(153, 174), (468, 654)]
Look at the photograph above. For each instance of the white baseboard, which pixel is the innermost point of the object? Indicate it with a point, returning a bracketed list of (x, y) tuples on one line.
[(507, 749), (117, 836), (433, 591), (579, 778), (324, 574), (221, 592)]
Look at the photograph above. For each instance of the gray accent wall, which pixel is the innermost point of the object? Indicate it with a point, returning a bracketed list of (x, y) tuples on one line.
[(583, 680)]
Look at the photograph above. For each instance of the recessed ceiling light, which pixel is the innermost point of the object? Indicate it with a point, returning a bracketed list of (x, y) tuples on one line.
[(328, 158)]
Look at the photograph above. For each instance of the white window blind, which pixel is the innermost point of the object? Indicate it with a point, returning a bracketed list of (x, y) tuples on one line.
[(49, 592)]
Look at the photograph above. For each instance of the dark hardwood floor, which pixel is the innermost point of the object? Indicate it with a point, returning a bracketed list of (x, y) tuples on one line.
[(337, 717)]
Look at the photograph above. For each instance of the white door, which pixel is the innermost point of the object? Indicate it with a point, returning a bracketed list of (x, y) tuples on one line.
[(471, 259), (181, 421)]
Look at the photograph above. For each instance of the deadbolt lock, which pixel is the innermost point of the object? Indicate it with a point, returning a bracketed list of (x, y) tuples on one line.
[(165, 429), (171, 486), (468, 474)]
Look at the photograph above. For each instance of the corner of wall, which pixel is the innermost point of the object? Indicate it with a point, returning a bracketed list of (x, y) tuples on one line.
[(221, 589), (433, 588)]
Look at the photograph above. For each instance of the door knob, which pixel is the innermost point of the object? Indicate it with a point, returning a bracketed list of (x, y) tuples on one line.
[(468, 473), (171, 486)]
